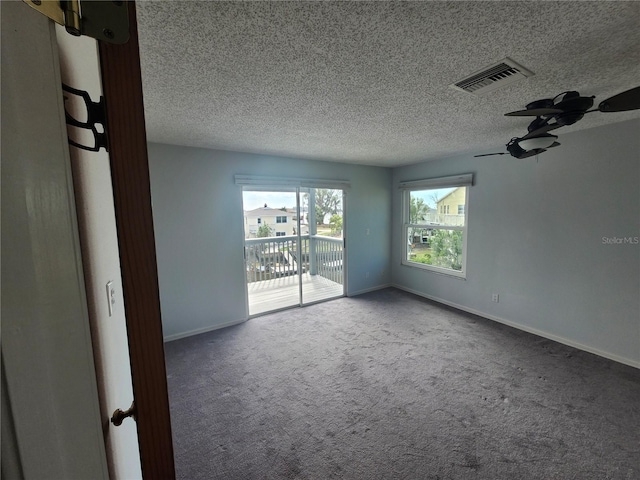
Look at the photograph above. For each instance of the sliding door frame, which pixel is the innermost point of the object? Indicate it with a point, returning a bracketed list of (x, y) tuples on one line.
[(344, 248), (273, 189), (271, 184)]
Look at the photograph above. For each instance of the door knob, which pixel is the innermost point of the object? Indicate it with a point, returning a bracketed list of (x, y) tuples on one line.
[(118, 416)]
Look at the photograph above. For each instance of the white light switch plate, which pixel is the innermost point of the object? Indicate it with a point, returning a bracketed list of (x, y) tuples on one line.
[(111, 297)]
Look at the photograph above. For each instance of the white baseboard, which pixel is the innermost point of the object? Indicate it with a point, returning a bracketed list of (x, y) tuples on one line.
[(190, 333), (540, 333), (367, 290)]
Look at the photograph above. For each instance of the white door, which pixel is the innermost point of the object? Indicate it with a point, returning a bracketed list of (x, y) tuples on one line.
[(79, 67), (48, 364), (49, 392)]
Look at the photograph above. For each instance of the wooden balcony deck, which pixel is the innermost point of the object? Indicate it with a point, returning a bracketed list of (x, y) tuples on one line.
[(268, 295)]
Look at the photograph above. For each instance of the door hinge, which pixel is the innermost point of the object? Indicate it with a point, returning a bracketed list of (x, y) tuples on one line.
[(103, 20), (95, 114)]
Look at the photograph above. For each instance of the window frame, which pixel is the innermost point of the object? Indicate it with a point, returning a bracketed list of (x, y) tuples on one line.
[(434, 184)]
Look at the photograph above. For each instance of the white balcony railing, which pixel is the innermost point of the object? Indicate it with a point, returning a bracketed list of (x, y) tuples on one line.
[(275, 257), (442, 219), (329, 257)]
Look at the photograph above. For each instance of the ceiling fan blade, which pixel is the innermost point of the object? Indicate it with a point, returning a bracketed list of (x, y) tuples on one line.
[(554, 144), (531, 153), (629, 100), (539, 131), (534, 112), (488, 154)]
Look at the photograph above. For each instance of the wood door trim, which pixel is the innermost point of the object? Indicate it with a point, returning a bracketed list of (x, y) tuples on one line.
[(122, 86)]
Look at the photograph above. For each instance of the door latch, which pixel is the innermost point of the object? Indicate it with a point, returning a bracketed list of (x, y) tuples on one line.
[(118, 416)]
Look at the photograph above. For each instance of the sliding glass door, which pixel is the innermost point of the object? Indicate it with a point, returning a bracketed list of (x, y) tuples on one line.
[(324, 248), (293, 246)]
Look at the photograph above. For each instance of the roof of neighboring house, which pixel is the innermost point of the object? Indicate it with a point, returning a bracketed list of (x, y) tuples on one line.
[(448, 195), (265, 211)]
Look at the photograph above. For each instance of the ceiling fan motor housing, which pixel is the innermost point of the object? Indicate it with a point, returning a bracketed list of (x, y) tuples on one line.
[(539, 122), (544, 103), (514, 149), (573, 108), (568, 118)]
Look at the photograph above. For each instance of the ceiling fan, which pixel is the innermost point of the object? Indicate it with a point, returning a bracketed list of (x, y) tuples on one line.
[(564, 109)]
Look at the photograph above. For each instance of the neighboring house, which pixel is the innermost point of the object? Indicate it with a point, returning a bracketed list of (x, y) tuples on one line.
[(449, 211), (452, 203), (282, 222), (304, 221)]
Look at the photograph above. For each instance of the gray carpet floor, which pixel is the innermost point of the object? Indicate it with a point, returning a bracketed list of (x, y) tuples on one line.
[(388, 385)]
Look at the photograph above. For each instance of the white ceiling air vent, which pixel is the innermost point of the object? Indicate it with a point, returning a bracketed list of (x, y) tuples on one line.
[(491, 78)]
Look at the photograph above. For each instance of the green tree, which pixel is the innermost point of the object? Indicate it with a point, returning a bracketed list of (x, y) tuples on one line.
[(336, 223), (417, 210), (423, 258), (264, 231), (328, 201), (446, 248)]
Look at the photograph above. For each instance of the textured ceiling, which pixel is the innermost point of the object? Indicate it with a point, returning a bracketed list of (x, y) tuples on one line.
[(368, 82)]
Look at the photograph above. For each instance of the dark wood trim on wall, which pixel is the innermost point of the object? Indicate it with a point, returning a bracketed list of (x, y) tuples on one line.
[(122, 85)]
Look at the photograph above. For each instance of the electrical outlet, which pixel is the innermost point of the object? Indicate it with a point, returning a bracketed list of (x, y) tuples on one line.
[(366, 275), (495, 298), (368, 231)]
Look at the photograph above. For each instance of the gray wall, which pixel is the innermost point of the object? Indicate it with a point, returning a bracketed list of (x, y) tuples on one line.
[(535, 237), (199, 229), (536, 233)]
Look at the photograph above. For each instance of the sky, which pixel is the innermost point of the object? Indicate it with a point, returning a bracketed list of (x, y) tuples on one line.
[(427, 196), (272, 199), (288, 199)]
